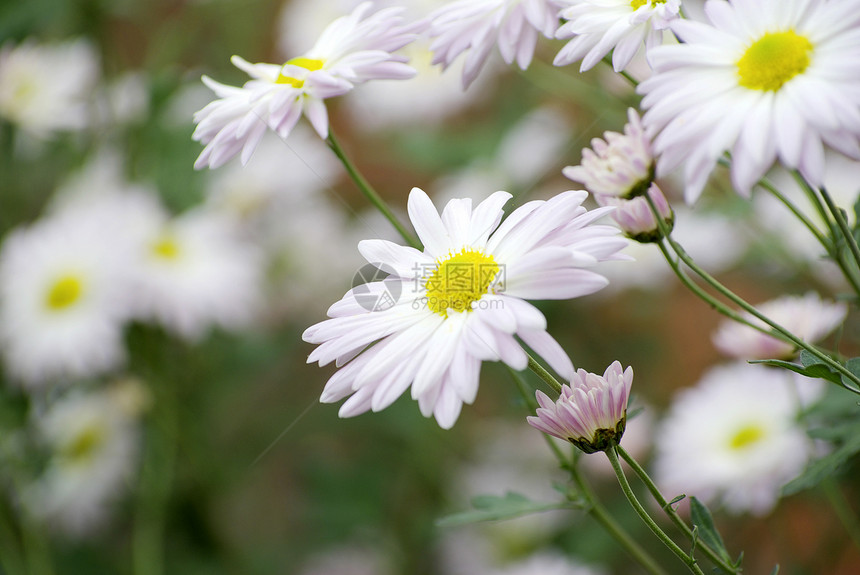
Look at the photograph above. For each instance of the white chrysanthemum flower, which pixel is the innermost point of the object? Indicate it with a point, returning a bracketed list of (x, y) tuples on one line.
[(734, 438), (196, 272), (620, 165), (766, 81), (45, 88), (63, 299), (807, 317), (622, 26), (461, 301), (93, 444), (352, 50), (478, 25)]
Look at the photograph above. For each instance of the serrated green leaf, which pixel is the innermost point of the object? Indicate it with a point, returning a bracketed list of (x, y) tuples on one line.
[(707, 531), (813, 370), (823, 468), (495, 508)]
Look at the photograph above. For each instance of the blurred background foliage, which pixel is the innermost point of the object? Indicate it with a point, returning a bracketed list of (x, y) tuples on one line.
[(241, 470)]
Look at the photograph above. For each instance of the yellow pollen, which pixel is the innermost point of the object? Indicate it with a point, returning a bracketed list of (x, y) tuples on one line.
[(460, 281), (746, 436), (773, 60), (166, 248), (84, 445), (310, 64), (637, 4), (64, 292)]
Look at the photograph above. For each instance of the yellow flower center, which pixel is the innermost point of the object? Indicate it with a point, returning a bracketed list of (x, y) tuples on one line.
[(166, 248), (773, 60), (310, 64), (460, 281), (746, 436), (64, 292), (637, 4), (84, 445)]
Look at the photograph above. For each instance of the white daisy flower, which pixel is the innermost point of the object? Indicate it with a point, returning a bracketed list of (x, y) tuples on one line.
[(621, 26), (93, 444), (478, 25), (46, 88), (459, 302), (63, 299), (767, 80), (733, 438), (808, 317), (196, 272), (352, 50)]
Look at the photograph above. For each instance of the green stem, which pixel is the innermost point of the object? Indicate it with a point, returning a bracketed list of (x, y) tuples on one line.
[(672, 514), (608, 61), (843, 225), (593, 505), (690, 562), (369, 193), (778, 330), (842, 508), (542, 373)]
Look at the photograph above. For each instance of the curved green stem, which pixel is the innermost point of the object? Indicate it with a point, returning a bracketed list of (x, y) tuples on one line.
[(672, 514), (843, 225), (608, 61), (777, 329), (690, 562), (593, 505), (369, 193), (542, 373)]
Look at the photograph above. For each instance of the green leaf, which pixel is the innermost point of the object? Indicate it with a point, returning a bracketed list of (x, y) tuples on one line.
[(495, 508), (814, 370), (707, 531), (822, 468)]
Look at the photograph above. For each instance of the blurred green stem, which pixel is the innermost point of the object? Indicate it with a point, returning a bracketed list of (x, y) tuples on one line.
[(777, 330), (672, 514), (690, 562), (842, 507), (850, 240), (593, 505), (11, 561), (372, 196)]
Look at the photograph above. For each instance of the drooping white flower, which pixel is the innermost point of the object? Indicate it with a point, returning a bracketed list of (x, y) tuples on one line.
[(45, 88), (351, 50), (808, 317), (591, 411), (733, 438), (92, 440), (766, 80), (460, 301), (63, 300), (620, 165), (196, 272), (478, 25), (621, 26)]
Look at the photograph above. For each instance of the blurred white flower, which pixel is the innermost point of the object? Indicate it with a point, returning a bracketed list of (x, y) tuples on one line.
[(45, 88), (765, 80), (93, 445), (733, 438), (196, 272), (350, 51), (477, 25), (124, 100), (63, 299), (621, 26), (808, 317), (348, 560), (546, 563)]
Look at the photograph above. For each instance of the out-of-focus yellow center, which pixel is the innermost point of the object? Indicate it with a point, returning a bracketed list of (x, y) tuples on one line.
[(460, 280), (773, 60), (166, 247), (310, 64), (746, 436), (636, 4), (85, 444), (64, 292)]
